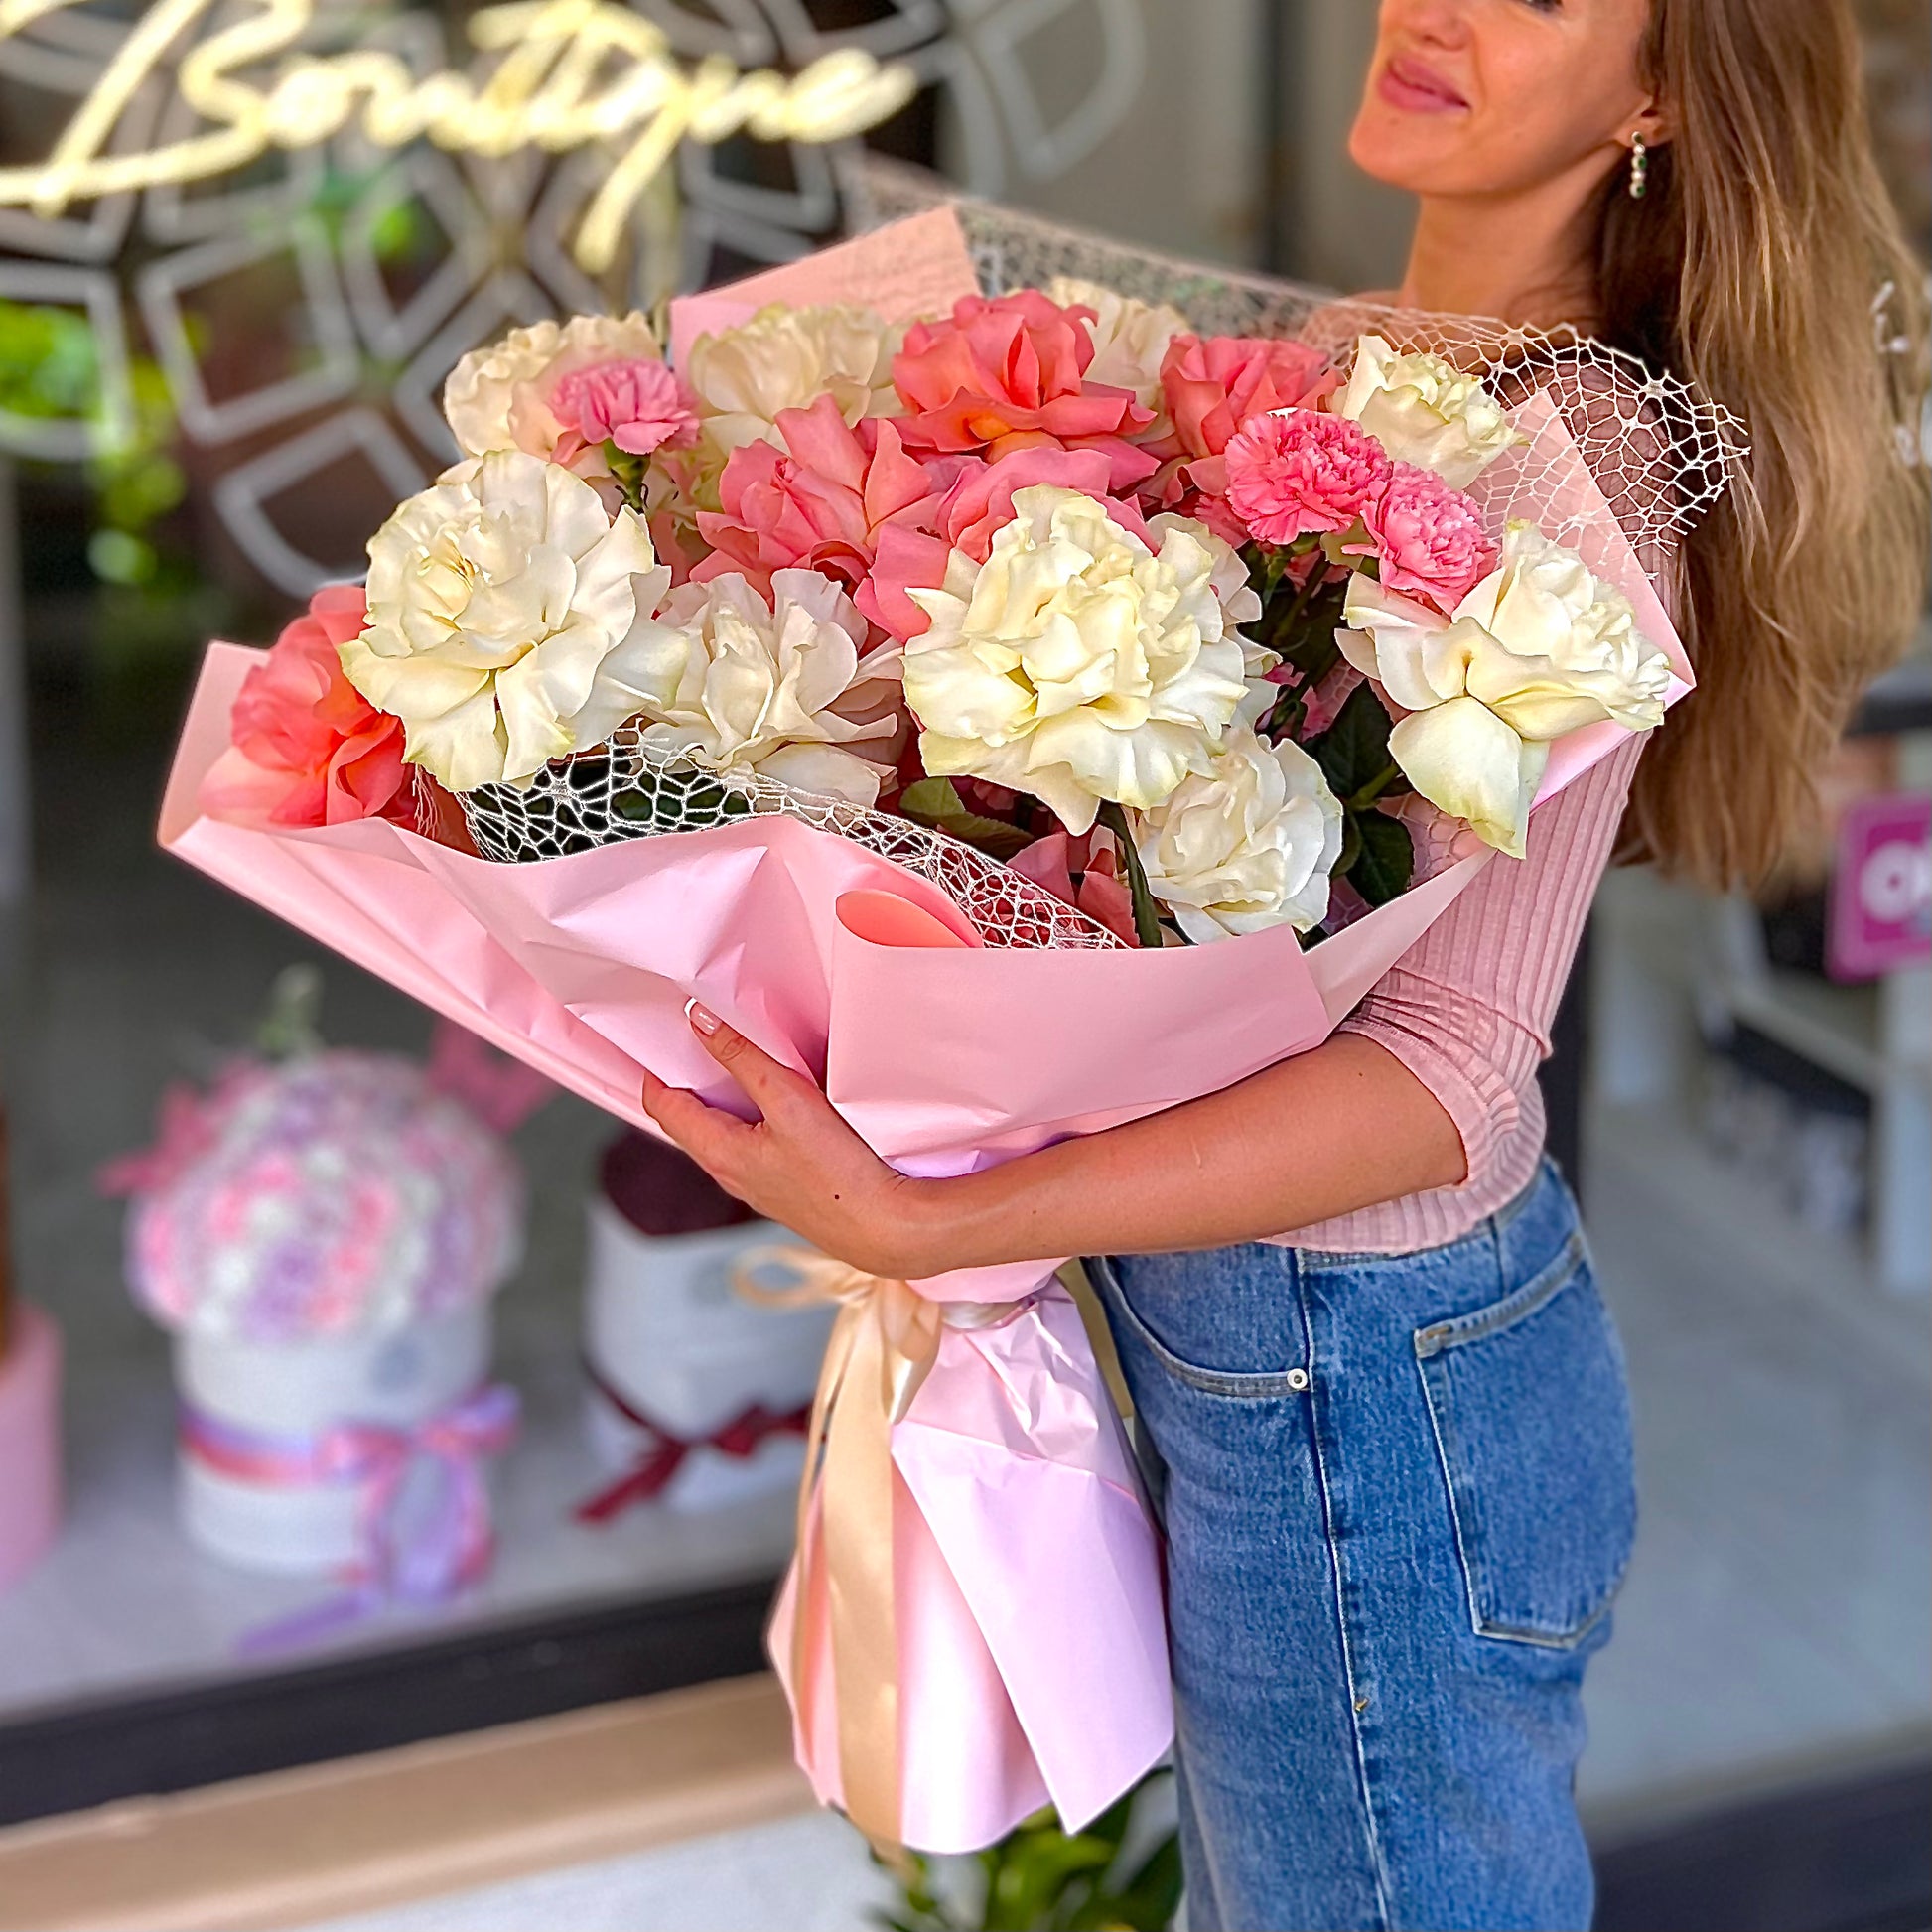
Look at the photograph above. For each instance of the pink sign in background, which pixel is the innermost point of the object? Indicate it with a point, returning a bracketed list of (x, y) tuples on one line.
[(1881, 887)]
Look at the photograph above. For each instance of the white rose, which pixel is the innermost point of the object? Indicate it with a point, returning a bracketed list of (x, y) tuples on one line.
[(1423, 409), (737, 682), (498, 398), (1539, 649), (500, 604), (1130, 338), (1247, 844), (1076, 663), (785, 358), (1240, 604)]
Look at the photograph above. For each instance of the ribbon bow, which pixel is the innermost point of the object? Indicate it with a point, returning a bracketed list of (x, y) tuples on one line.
[(663, 1455), (883, 1344), (396, 1560)]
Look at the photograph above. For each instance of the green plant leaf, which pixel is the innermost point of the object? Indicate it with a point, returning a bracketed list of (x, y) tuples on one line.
[(1032, 1887), (1147, 912), (936, 804), (1385, 859), (1147, 1899), (1354, 753), (1300, 624)]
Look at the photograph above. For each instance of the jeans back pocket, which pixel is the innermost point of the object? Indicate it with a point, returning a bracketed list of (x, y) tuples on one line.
[(1532, 1424)]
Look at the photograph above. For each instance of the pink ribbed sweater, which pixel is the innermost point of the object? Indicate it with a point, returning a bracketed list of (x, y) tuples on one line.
[(1468, 1010)]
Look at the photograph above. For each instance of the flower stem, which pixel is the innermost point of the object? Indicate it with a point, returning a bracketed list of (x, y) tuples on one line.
[(627, 472), (1361, 801), (1146, 915)]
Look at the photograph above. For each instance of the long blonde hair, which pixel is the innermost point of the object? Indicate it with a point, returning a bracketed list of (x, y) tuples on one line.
[(1767, 264)]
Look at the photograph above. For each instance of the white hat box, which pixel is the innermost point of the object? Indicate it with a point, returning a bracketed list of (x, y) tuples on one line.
[(667, 1330), (297, 1390)]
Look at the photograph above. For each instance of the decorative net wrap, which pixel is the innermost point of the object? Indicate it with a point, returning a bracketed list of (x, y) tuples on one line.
[(1659, 452), (629, 790)]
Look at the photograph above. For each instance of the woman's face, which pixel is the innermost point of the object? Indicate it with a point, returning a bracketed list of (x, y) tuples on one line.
[(1497, 97)]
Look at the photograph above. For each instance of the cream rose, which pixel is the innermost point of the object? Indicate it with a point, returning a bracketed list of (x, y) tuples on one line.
[(1076, 663), (500, 608), (777, 687), (1247, 844), (1129, 339), (785, 358), (1539, 649), (1423, 409), (498, 398), (1227, 577)]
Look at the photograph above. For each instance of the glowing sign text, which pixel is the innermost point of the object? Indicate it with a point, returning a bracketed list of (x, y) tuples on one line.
[(571, 72)]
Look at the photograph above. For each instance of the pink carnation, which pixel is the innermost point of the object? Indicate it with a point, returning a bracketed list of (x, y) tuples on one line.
[(636, 404), (308, 748), (1429, 536), (1299, 473), (1006, 372)]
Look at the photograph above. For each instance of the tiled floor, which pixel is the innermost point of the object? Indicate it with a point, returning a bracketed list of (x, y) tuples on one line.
[(805, 1875)]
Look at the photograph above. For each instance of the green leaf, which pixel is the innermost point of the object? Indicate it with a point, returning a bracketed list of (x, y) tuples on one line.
[(1149, 1900), (1037, 1876), (1147, 912), (1385, 860), (1354, 753), (627, 472), (1301, 625), (936, 804)]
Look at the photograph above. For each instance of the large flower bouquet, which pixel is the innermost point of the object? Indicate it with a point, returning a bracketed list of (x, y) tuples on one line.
[(1021, 707)]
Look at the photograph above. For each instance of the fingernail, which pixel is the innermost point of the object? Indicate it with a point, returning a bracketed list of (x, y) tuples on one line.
[(702, 1017)]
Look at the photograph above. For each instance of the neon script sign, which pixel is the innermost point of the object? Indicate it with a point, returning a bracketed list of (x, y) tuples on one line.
[(571, 72)]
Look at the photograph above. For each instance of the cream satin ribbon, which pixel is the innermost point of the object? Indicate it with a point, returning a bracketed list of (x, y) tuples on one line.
[(883, 1344)]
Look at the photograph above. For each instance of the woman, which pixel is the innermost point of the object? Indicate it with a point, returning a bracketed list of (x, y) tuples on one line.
[(1391, 1448)]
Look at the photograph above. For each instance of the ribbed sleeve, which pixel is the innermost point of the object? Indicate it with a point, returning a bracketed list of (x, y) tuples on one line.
[(1469, 1011)]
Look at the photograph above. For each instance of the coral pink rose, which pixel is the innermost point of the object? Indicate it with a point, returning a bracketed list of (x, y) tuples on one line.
[(1429, 536), (1009, 372), (1297, 473), (309, 749), (636, 404), (1099, 892), (826, 502), (973, 511), (1214, 385)]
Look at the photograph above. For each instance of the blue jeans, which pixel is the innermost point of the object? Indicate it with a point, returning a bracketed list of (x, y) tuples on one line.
[(1398, 1498)]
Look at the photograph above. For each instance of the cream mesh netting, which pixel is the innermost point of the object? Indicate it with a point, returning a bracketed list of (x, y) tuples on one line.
[(628, 789), (1660, 454)]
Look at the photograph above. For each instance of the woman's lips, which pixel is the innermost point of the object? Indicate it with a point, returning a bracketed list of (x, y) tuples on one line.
[(1416, 89)]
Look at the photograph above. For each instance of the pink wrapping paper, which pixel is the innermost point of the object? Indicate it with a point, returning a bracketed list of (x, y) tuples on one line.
[(1032, 1649)]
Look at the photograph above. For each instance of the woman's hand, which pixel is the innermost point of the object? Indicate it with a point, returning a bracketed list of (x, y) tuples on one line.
[(801, 1165)]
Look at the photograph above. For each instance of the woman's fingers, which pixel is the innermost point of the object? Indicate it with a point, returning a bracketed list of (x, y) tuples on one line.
[(769, 1083), (714, 1139)]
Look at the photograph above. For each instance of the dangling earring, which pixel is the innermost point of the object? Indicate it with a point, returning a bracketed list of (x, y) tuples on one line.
[(1639, 167)]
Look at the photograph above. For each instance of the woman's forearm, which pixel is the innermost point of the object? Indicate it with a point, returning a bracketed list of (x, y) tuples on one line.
[(1345, 1127)]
